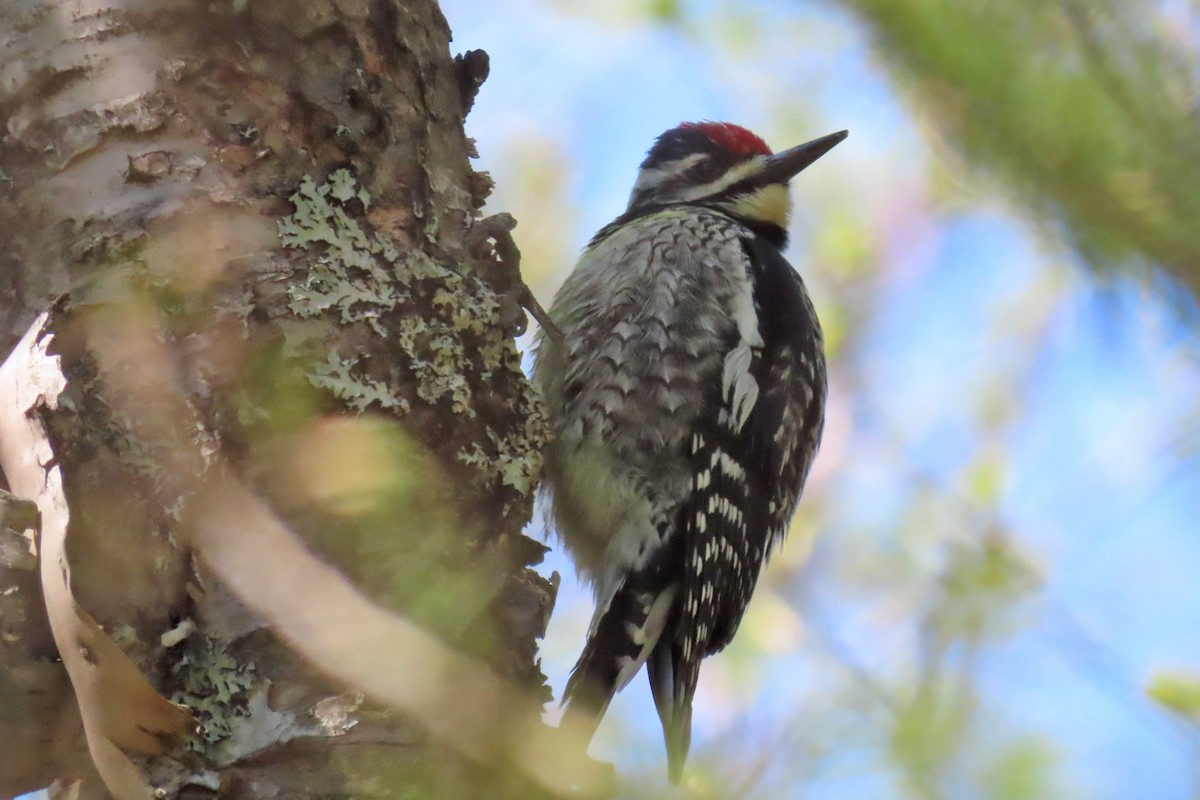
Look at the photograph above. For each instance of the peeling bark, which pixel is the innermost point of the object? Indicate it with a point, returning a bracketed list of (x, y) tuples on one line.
[(280, 193)]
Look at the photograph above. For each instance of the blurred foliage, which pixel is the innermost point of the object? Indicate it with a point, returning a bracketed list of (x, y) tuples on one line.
[(979, 589), (532, 177), (1087, 109), (1178, 692), (1023, 771)]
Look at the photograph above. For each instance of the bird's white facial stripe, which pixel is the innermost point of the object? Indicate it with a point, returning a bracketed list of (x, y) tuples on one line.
[(729, 178), (650, 179)]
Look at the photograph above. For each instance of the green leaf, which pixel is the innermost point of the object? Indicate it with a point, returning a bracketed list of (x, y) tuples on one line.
[(1178, 692)]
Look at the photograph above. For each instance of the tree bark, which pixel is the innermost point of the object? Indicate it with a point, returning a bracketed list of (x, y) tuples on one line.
[(256, 230)]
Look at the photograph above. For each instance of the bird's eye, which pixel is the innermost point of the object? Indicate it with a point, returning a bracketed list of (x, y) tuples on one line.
[(704, 171)]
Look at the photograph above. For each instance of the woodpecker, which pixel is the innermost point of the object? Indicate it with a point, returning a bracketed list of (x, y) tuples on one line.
[(686, 394)]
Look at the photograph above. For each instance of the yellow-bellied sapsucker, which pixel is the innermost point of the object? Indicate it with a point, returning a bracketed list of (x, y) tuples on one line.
[(686, 395)]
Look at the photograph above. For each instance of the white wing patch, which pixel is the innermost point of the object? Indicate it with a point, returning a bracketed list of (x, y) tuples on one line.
[(645, 637), (738, 387)]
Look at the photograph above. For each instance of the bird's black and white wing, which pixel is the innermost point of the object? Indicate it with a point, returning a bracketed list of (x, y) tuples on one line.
[(751, 451)]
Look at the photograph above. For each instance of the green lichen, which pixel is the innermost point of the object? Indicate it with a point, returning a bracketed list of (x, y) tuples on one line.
[(360, 277), (349, 275), (343, 187), (214, 685), (335, 374), (443, 327), (514, 460)]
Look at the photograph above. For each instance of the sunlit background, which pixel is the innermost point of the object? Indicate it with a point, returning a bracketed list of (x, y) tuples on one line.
[(990, 590)]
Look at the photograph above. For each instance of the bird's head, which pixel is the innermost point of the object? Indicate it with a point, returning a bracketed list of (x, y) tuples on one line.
[(724, 166)]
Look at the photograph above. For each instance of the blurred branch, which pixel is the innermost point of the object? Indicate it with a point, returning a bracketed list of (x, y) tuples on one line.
[(1087, 111), (336, 628), (320, 613)]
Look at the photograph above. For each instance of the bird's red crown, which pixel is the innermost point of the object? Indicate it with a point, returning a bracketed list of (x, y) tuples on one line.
[(732, 137)]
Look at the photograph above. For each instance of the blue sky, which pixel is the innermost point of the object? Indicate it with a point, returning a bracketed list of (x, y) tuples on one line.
[(1084, 390)]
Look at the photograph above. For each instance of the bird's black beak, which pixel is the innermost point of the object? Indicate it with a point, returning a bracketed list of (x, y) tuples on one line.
[(782, 167)]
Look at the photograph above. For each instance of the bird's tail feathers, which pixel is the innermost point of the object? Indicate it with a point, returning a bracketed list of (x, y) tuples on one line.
[(621, 640), (673, 699)]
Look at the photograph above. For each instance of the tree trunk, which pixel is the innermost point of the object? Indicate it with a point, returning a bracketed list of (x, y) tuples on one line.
[(273, 311)]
